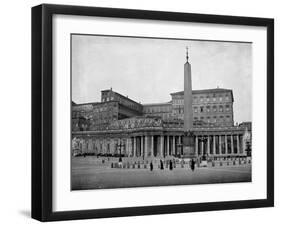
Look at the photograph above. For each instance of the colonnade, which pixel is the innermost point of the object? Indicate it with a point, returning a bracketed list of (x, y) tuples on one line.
[(162, 145), (221, 145), (153, 146)]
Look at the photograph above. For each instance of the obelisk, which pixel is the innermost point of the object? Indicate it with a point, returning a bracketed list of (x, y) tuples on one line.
[(188, 139)]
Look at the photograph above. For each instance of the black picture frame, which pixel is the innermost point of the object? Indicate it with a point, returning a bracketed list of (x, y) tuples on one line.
[(42, 111)]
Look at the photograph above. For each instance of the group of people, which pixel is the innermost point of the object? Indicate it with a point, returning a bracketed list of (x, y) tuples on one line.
[(172, 165)]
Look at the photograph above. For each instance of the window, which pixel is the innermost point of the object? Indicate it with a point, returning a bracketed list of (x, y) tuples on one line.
[(208, 109), (201, 109), (195, 118), (195, 99), (220, 98), (220, 109), (207, 98), (201, 99), (195, 110), (208, 119), (227, 107), (227, 98), (215, 109), (215, 119), (228, 118)]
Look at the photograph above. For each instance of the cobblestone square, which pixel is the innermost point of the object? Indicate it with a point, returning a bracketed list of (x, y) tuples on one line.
[(91, 173)]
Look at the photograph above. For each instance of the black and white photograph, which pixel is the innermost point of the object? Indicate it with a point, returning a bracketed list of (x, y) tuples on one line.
[(144, 112), (149, 111)]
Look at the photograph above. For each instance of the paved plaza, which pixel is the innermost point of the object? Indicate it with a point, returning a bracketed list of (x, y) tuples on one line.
[(92, 173)]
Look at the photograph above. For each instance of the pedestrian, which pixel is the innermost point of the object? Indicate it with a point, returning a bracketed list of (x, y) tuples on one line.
[(182, 163), (151, 166), (171, 165)]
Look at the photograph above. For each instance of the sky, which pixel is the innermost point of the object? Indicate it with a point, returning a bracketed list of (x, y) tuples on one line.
[(148, 70)]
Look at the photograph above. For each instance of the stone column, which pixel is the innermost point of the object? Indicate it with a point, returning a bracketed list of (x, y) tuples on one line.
[(174, 146), (208, 146), (238, 143), (90, 145), (152, 146), (196, 145), (105, 146), (214, 144), (111, 146), (97, 146), (232, 147), (120, 143), (146, 146), (226, 151), (100, 146), (220, 151), (241, 144), (135, 147), (127, 147), (84, 146), (202, 146), (142, 147), (123, 143), (168, 146), (161, 145), (132, 146)]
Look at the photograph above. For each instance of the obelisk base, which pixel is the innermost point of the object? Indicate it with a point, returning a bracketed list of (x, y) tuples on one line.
[(188, 152)]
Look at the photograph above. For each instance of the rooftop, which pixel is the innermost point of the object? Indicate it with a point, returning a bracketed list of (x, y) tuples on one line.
[(199, 91), (157, 104), (125, 97)]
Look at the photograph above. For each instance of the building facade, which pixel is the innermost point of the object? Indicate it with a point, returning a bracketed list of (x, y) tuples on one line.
[(210, 106), (118, 125)]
